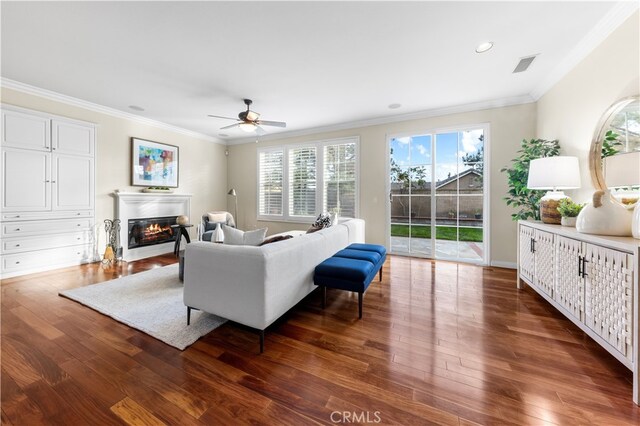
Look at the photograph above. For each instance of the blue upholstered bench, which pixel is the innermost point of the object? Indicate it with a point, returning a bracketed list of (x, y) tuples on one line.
[(351, 269)]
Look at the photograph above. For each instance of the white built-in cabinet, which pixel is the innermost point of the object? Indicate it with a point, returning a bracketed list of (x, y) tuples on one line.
[(591, 279), (47, 191)]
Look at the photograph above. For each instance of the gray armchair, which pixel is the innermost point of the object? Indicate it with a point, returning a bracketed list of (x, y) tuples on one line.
[(208, 227)]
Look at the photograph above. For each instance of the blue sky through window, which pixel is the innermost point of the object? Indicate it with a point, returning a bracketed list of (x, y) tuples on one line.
[(450, 148)]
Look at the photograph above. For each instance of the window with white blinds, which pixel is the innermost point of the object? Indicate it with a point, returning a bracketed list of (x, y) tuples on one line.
[(299, 182), (302, 181), (270, 194), (339, 177)]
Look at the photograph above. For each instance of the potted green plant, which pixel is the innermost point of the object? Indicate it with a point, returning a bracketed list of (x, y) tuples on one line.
[(569, 211), (519, 196)]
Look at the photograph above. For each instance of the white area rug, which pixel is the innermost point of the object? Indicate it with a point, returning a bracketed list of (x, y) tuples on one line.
[(151, 302)]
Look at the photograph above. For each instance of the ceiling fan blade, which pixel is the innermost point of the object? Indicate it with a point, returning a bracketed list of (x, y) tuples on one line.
[(230, 126), (219, 116), (272, 123), (260, 131)]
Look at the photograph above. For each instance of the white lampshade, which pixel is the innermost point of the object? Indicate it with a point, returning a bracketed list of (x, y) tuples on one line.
[(554, 173), (622, 169)]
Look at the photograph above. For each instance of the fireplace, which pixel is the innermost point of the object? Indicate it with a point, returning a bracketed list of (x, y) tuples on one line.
[(150, 231), (136, 205)]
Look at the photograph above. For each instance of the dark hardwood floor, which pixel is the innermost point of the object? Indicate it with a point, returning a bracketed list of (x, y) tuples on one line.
[(439, 343)]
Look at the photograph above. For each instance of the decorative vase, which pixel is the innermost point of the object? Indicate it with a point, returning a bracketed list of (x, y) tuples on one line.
[(603, 216), (182, 220), (568, 221)]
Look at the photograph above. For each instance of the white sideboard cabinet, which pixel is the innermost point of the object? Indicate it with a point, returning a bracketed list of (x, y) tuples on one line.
[(591, 279), (47, 191)]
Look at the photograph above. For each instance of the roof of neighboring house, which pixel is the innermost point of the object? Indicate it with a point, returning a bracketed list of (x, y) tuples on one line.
[(439, 184), (458, 176)]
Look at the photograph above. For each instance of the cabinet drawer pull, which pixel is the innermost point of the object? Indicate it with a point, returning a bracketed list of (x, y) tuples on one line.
[(584, 267), (47, 181), (79, 224), (580, 266), (17, 216), (78, 238), (17, 245), (17, 229), (53, 181), (17, 262), (78, 214)]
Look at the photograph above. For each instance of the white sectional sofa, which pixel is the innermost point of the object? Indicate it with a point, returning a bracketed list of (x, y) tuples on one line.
[(254, 286)]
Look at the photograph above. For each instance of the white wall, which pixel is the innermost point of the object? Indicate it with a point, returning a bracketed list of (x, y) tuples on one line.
[(508, 126), (203, 164), (570, 111)]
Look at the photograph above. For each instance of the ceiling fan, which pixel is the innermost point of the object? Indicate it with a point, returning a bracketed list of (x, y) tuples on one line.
[(249, 121)]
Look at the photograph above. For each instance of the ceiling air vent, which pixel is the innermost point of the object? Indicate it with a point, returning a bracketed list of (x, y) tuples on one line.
[(524, 64)]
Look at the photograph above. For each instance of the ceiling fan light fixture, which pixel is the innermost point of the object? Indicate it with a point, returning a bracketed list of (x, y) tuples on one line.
[(247, 127), (252, 115)]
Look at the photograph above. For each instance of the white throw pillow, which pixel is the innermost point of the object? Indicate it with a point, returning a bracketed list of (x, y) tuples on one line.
[(217, 217), (237, 237)]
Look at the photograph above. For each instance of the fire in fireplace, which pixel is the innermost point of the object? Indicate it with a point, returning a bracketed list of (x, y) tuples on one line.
[(151, 230)]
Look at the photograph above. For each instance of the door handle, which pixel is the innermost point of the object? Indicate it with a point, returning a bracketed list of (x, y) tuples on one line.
[(580, 266)]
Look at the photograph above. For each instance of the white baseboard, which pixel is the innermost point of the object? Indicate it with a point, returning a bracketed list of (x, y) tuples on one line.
[(501, 264)]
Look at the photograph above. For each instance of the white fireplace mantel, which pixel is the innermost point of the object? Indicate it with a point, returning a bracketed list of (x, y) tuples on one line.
[(137, 205)]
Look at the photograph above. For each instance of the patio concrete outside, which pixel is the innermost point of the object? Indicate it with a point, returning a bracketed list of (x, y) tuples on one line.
[(463, 250)]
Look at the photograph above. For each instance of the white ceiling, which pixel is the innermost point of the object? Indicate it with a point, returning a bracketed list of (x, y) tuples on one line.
[(310, 64)]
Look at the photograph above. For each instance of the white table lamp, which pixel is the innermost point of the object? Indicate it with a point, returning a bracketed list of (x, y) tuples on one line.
[(623, 170), (555, 174)]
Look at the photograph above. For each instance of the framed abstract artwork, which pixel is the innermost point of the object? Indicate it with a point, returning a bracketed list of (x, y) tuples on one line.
[(154, 164)]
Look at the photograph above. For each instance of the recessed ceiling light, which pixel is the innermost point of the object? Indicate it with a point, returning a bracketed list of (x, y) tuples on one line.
[(223, 135), (136, 108), (394, 106), (483, 47)]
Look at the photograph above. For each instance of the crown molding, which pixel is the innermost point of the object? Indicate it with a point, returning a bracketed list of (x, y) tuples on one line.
[(609, 22), (69, 100), (436, 112)]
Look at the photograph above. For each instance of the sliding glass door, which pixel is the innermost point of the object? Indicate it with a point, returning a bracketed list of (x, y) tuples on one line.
[(410, 195), (437, 195)]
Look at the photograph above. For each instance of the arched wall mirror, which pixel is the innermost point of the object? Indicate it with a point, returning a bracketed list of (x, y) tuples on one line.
[(618, 135)]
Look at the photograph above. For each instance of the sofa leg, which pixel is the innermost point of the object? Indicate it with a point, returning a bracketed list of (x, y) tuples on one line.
[(380, 273), (324, 297), (360, 294), (261, 341), (188, 315)]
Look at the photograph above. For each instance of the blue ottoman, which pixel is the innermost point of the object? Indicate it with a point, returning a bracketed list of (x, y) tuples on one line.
[(345, 274), (369, 247), (351, 269), (375, 256)]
